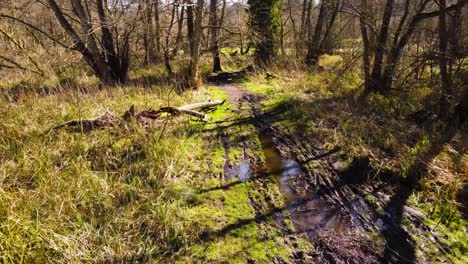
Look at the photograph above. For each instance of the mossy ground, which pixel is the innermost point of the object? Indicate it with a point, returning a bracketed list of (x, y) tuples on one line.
[(129, 193), (159, 195), (325, 108)]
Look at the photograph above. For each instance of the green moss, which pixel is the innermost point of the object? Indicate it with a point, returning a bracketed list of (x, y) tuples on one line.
[(330, 61), (289, 225), (369, 198)]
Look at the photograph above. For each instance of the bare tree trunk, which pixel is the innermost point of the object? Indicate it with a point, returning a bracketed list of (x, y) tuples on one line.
[(157, 22), (190, 25), (150, 52), (376, 81), (313, 50), (365, 41), (307, 37), (305, 17), (193, 81), (180, 26), (118, 63), (443, 62), (94, 61), (167, 60), (327, 45), (215, 35)]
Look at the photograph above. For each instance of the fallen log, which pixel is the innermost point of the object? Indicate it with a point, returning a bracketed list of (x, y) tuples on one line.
[(203, 105), (108, 119), (105, 120), (176, 111)]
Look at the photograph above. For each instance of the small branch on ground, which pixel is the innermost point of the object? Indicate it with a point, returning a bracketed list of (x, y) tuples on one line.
[(144, 117)]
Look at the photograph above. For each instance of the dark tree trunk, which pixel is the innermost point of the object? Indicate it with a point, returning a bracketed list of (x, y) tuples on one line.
[(313, 50), (327, 42), (190, 25), (376, 82), (365, 41), (157, 22), (215, 35), (320, 41), (89, 53), (150, 50), (167, 60), (118, 63)]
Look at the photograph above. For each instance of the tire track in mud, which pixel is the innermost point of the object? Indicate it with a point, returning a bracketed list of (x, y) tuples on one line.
[(321, 201), (291, 149), (315, 207)]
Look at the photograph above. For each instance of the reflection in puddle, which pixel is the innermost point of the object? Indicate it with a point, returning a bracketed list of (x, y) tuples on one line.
[(306, 210), (241, 171)]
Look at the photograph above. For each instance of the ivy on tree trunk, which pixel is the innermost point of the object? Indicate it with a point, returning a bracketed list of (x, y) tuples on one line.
[(265, 24)]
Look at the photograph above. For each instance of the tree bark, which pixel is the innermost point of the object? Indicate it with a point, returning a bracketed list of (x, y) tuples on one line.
[(265, 23), (314, 43), (118, 63), (157, 22), (215, 36), (446, 91), (376, 83), (193, 81), (167, 60), (150, 50), (180, 25), (190, 25), (365, 41), (95, 62)]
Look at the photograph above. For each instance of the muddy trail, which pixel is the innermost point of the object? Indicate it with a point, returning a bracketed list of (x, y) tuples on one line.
[(348, 216)]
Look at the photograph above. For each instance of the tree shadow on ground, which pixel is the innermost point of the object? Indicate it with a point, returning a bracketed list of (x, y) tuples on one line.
[(400, 246)]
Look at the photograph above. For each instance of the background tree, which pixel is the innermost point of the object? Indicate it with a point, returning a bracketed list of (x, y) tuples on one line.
[(391, 42), (215, 26), (265, 23), (195, 35), (108, 57), (151, 53), (323, 29)]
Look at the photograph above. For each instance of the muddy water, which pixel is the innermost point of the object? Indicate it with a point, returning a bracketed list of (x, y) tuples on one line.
[(306, 210)]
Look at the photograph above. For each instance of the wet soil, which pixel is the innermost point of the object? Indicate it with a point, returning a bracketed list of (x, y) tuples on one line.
[(304, 208), (334, 205)]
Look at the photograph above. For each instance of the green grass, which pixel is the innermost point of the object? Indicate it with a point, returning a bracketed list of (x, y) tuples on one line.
[(107, 194), (124, 193), (128, 194), (325, 107)]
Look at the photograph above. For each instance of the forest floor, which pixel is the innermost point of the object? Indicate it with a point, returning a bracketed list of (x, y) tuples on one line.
[(290, 169), (338, 213)]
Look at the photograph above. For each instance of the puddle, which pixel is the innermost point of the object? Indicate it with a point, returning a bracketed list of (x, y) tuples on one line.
[(241, 171), (306, 210)]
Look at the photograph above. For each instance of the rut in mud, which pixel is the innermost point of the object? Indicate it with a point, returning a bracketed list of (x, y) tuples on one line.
[(328, 203)]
